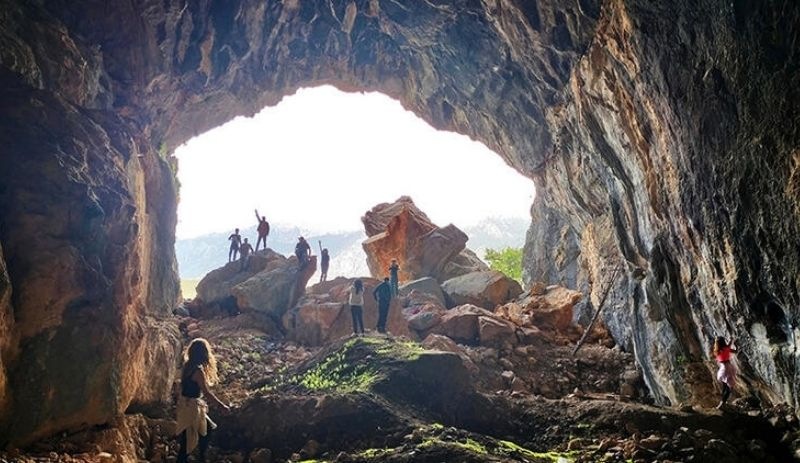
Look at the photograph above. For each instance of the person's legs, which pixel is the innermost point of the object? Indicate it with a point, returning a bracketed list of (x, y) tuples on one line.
[(726, 392), (182, 456), (354, 313), (202, 443), (383, 311), (230, 253), (361, 320)]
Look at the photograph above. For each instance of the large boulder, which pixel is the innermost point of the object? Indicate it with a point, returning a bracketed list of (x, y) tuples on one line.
[(461, 323), (486, 289), (549, 309), (493, 331), (271, 283), (401, 231), (323, 314), (427, 286), (216, 285), (275, 289)]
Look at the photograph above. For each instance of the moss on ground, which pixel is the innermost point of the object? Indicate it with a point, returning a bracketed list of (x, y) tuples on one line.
[(354, 367)]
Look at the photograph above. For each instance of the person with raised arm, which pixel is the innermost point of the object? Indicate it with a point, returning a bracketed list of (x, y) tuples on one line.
[(262, 229)]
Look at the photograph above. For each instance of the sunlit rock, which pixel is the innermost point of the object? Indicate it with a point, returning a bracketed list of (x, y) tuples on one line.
[(486, 289), (401, 231)]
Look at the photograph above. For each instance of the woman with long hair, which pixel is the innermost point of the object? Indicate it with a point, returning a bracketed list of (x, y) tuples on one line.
[(723, 352), (357, 306), (198, 373)]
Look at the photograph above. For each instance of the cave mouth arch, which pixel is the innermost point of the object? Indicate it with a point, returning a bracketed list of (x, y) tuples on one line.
[(315, 162)]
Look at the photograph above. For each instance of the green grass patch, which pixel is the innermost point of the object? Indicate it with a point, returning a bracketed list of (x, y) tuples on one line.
[(509, 448), (355, 367)]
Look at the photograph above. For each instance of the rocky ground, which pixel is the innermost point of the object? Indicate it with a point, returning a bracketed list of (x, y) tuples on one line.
[(376, 398)]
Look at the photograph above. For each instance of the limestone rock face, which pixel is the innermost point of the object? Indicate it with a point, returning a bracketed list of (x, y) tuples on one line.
[(269, 283), (323, 314), (401, 231), (216, 285), (486, 289), (275, 289), (671, 153)]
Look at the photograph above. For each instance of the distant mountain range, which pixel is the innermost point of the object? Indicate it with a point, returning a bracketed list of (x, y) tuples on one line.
[(197, 256)]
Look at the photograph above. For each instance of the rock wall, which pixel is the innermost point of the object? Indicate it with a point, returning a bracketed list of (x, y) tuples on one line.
[(676, 154), (660, 134)]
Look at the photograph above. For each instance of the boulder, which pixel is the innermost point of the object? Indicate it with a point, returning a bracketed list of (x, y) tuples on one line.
[(486, 289), (424, 320), (276, 288), (465, 262), (461, 323), (550, 310), (271, 283), (496, 332), (401, 231), (323, 314), (426, 285), (216, 285)]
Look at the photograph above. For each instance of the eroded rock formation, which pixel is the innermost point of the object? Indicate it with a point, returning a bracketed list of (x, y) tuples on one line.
[(661, 136), (401, 231)]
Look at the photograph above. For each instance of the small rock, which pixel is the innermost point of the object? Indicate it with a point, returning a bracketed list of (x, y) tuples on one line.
[(506, 363), (703, 435), (653, 442), (507, 375), (311, 449), (261, 456)]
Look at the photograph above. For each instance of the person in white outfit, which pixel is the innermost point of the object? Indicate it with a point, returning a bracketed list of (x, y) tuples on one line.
[(357, 306)]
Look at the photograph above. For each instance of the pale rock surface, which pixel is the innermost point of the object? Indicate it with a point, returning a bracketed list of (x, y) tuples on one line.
[(486, 289)]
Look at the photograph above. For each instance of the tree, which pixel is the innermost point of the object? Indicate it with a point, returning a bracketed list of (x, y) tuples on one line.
[(508, 261)]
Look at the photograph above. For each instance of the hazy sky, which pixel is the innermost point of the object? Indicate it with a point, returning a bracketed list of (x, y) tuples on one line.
[(322, 157)]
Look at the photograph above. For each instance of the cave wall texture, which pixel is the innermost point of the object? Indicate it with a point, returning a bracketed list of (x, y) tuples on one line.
[(662, 137)]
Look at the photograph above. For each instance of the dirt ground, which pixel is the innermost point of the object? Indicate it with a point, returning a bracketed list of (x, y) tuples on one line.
[(390, 399)]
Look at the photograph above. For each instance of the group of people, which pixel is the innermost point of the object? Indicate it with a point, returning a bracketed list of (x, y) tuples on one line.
[(243, 249), (383, 294)]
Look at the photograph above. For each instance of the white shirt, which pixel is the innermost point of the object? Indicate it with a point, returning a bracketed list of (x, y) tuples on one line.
[(356, 298)]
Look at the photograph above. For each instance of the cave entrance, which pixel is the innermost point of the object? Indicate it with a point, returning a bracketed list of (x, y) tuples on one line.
[(314, 163)]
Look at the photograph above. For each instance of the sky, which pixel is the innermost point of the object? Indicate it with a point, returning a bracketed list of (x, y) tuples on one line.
[(321, 158)]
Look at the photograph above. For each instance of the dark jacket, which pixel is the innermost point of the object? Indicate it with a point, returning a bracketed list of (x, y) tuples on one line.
[(382, 292)]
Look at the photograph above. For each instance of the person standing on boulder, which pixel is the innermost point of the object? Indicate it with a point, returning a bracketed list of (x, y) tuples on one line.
[(245, 249), (236, 241), (726, 374), (262, 229), (303, 251), (193, 424), (393, 276), (356, 301), (325, 260), (383, 294)]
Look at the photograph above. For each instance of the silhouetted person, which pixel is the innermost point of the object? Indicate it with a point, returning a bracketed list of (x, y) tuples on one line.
[(383, 294), (245, 249), (393, 277), (236, 241), (262, 229), (723, 352), (302, 250), (356, 301), (193, 425), (324, 263)]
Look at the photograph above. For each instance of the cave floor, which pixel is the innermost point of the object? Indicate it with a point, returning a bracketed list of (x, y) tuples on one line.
[(376, 398)]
